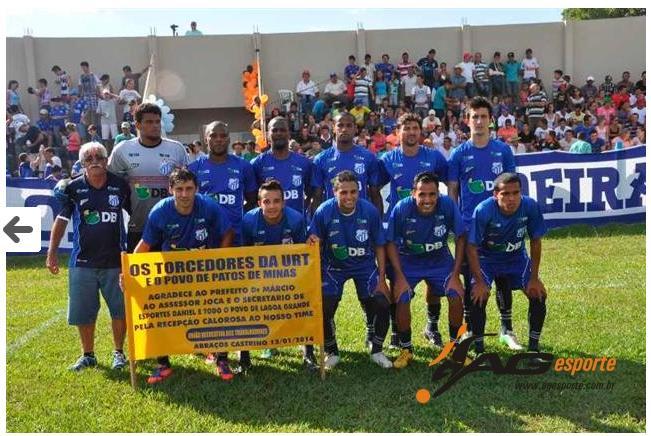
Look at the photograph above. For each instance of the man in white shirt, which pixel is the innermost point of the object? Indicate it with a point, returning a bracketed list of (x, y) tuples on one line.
[(421, 96), (505, 116), (430, 121), (307, 92), (530, 66), (409, 82), (640, 110), (335, 90)]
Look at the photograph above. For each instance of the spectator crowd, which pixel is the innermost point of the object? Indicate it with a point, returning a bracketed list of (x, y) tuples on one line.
[(528, 114)]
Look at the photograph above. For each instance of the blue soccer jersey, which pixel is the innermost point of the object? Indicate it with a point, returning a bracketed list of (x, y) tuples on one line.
[(422, 240), (97, 222), (400, 170), (256, 231), (293, 173), (348, 242), (226, 183), (475, 169), (332, 161), (499, 237), (204, 227)]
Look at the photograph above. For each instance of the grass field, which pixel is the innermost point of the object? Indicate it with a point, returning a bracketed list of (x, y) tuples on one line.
[(596, 283)]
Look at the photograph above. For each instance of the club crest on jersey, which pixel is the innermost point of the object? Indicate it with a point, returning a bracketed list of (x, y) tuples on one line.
[(166, 167), (113, 200), (359, 168), (201, 234), (233, 184), (297, 180), (361, 235), (497, 168), (439, 231)]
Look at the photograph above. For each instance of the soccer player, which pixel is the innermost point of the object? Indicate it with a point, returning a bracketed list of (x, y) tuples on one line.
[(226, 178), (94, 202), (146, 162), (417, 249), (472, 168), (345, 155), (399, 167), (274, 223), (496, 247), (352, 247), (291, 169), (186, 221)]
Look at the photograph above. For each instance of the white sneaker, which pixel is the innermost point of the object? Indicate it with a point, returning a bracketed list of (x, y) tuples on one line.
[(381, 360), (510, 341), (331, 361)]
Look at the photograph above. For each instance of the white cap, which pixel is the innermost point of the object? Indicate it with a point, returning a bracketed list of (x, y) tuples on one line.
[(43, 112), (590, 78)]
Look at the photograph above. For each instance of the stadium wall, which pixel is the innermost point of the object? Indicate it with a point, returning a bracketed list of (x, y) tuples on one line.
[(205, 73)]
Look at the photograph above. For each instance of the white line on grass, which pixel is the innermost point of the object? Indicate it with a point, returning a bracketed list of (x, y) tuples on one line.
[(24, 339)]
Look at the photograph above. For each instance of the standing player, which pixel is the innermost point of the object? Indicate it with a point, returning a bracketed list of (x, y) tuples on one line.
[(399, 167), (146, 162), (274, 223), (226, 178), (417, 247), (472, 168), (345, 155), (291, 169), (186, 221), (352, 241), (497, 248), (94, 202)]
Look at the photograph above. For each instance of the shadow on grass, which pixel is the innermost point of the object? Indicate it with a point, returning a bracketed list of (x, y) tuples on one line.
[(586, 231), (359, 396)]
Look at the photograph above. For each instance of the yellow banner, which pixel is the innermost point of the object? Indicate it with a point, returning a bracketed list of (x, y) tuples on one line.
[(229, 299)]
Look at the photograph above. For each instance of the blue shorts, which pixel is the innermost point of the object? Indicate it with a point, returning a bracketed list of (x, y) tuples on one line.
[(436, 278), (333, 282), (517, 272), (83, 293)]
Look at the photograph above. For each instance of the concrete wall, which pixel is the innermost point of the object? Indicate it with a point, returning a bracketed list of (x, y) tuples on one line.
[(286, 55), (546, 41), (417, 42), (205, 72), (609, 47)]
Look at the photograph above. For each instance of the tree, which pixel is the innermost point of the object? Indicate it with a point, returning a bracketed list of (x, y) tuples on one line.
[(577, 14)]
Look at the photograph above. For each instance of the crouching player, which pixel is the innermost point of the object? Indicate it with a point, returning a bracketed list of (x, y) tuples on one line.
[(417, 249), (496, 248), (186, 221), (352, 241), (272, 223)]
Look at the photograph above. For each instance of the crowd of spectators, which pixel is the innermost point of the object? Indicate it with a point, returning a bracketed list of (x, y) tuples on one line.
[(528, 114), (70, 114)]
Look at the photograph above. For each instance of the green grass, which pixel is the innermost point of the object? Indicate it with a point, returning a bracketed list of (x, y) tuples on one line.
[(596, 283)]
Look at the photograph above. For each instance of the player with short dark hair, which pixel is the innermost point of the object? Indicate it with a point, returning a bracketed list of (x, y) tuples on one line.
[(352, 247), (418, 251), (185, 221), (496, 247), (273, 222), (292, 170), (399, 167), (472, 167), (344, 155)]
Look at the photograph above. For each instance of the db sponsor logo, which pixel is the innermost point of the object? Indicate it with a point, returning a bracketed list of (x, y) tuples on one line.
[(225, 198), (291, 194), (93, 217)]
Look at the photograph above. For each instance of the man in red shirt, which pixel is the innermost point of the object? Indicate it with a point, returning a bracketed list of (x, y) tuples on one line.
[(621, 96)]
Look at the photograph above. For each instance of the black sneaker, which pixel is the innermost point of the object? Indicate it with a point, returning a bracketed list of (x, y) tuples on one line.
[(84, 362), (310, 363), (395, 342), (243, 367), (434, 338)]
